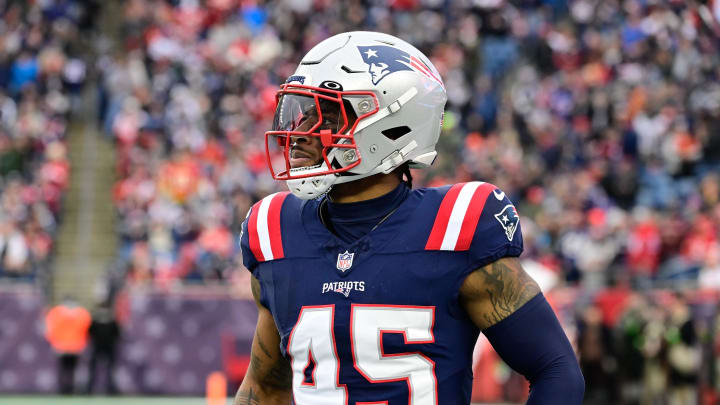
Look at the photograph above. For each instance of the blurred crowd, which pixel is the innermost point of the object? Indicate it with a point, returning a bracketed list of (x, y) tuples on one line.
[(40, 74), (656, 347), (634, 347)]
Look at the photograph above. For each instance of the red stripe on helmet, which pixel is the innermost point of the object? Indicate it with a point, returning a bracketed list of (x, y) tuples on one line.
[(418, 64)]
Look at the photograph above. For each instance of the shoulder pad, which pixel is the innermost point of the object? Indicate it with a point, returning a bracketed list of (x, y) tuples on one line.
[(458, 216), (264, 230)]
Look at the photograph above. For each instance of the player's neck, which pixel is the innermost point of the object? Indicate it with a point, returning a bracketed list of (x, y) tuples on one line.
[(364, 189)]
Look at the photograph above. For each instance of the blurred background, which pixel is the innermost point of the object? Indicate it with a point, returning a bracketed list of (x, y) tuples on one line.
[(131, 147)]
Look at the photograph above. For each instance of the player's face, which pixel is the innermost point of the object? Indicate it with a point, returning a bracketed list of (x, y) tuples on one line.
[(311, 117), (307, 150)]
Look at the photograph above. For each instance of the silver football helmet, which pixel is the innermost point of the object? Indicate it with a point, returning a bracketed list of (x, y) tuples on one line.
[(369, 101)]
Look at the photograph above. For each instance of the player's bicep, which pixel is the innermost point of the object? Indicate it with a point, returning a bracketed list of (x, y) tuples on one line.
[(493, 292), (269, 378)]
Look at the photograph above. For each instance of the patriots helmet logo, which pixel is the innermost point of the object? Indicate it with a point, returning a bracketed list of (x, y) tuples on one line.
[(509, 220), (383, 60)]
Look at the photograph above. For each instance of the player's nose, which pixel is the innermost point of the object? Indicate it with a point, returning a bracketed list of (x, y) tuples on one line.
[(302, 140), (299, 140)]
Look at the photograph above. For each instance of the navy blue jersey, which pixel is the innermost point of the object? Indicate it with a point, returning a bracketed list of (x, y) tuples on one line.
[(378, 321)]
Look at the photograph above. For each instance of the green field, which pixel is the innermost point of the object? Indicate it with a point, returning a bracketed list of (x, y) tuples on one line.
[(90, 400)]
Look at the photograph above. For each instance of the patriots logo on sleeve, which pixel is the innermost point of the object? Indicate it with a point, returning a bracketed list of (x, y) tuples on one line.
[(509, 220), (382, 60)]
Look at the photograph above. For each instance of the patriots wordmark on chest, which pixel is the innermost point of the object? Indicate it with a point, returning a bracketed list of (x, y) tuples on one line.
[(343, 287), (345, 261)]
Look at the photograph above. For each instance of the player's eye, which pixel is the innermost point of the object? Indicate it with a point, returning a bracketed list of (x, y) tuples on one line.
[(329, 124)]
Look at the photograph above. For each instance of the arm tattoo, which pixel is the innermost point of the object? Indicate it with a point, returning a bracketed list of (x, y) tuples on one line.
[(269, 376), (247, 397), (505, 286), (260, 343), (277, 375), (508, 289)]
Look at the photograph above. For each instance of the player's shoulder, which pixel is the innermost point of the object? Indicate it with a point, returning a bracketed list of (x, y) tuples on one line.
[(279, 201), (473, 216), (449, 194), (266, 222)]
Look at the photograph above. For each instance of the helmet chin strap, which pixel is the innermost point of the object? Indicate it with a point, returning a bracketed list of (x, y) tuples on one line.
[(311, 187)]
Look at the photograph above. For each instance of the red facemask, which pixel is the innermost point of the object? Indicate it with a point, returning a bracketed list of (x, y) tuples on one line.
[(310, 121)]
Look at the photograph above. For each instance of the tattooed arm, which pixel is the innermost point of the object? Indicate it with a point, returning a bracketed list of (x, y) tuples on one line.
[(491, 293), (507, 305), (269, 378)]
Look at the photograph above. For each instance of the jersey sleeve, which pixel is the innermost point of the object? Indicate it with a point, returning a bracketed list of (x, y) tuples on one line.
[(498, 232), (248, 259), (261, 239), (479, 219)]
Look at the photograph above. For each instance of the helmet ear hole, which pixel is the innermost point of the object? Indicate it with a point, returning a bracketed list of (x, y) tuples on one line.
[(396, 132)]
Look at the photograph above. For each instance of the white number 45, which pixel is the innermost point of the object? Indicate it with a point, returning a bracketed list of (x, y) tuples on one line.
[(312, 341)]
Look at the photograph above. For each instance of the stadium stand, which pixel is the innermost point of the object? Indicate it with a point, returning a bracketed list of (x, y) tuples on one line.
[(40, 75)]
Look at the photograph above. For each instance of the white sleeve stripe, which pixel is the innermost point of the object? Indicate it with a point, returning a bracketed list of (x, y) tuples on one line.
[(262, 227), (458, 215)]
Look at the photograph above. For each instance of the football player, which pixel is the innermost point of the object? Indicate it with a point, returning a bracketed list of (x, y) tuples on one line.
[(370, 292)]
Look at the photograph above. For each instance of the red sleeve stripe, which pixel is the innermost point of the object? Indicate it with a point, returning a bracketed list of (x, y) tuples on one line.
[(274, 225), (443, 216), (264, 228), (472, 216), (458, 216), (253, 237)]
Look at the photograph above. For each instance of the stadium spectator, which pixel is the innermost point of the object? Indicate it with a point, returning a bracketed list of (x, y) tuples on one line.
[(596, 359), (67, 331), (104, 333)]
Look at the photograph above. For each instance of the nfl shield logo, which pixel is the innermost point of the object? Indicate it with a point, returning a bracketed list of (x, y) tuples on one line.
[(345, 260)]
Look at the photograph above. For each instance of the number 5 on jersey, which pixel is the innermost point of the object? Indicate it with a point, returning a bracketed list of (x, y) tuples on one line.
[(312, 341)]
